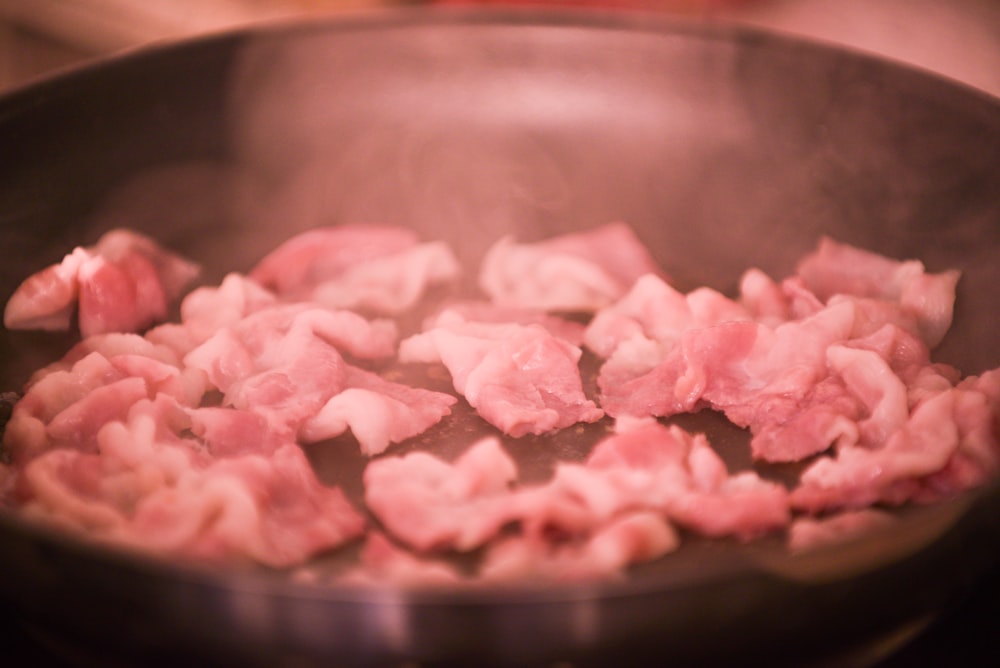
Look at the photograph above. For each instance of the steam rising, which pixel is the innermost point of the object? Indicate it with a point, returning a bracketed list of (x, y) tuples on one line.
[(720, 154)]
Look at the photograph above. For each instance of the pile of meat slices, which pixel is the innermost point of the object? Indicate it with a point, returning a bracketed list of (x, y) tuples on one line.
[(190, 438)]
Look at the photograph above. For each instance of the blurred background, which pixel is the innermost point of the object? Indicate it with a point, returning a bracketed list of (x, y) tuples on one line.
[(956, 38)]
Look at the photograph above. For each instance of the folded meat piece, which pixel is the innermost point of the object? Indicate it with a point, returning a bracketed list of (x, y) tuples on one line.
[(678, 474), (600, 516), (628, 539), (947, 444), (654, 311), (392, 284), (377, 411), (67, 406), (319, 254), (519, 378), (285, 361), (583, 271), (488, 312), (377, 268), (149, 487), (384, 564), (124, 283), (840, 269), (429, 503)]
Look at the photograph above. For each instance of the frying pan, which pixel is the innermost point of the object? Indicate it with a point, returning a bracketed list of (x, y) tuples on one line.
[(723, 147)]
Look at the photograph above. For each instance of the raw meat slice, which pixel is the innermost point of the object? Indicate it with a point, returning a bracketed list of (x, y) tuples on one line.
[(775, 381), (377, 411), (316, 255), (654, 310), (519, 378), (667, 469), (77, 425), (152, 489), (645, 467), (47, 299), (385, 564), (124, 296), (625, 540), (174, 272), (98, 490), (124, 283), (772, 303), (63, 487), (285, 361), (231, 432), (947, 444), (207, 309), (840, 269), (377, 268), (487, 312), (391, 284), (292, 380), (269, 509), (109, 346), (575, 272), (428, 503), (26, 433)]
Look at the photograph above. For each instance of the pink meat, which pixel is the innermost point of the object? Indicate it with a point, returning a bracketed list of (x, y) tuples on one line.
[(839, 269), (324, 253), (520, 379), (97, 491), (26, 433), (271, 510), (772, 303), (647, 467), (582, 271), (188, 386), (583, 519), (654, 310), (126, 438), (292, 381), (174, 272), (776, 381), (487, 312), (375, 268), (666, 469), (124, 283), (109, 346), (63, 487), (262, 331), (149, 486), (948, 444), (631, 538), (428, 503), (385, 564), (208, 309), (77, 425), (47, 299), (231, 432), (377, 411), (392, 284), (124, 296), (286, 361)]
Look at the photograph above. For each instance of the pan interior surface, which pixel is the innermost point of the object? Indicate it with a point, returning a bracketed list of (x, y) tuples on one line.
[(722, 148)]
